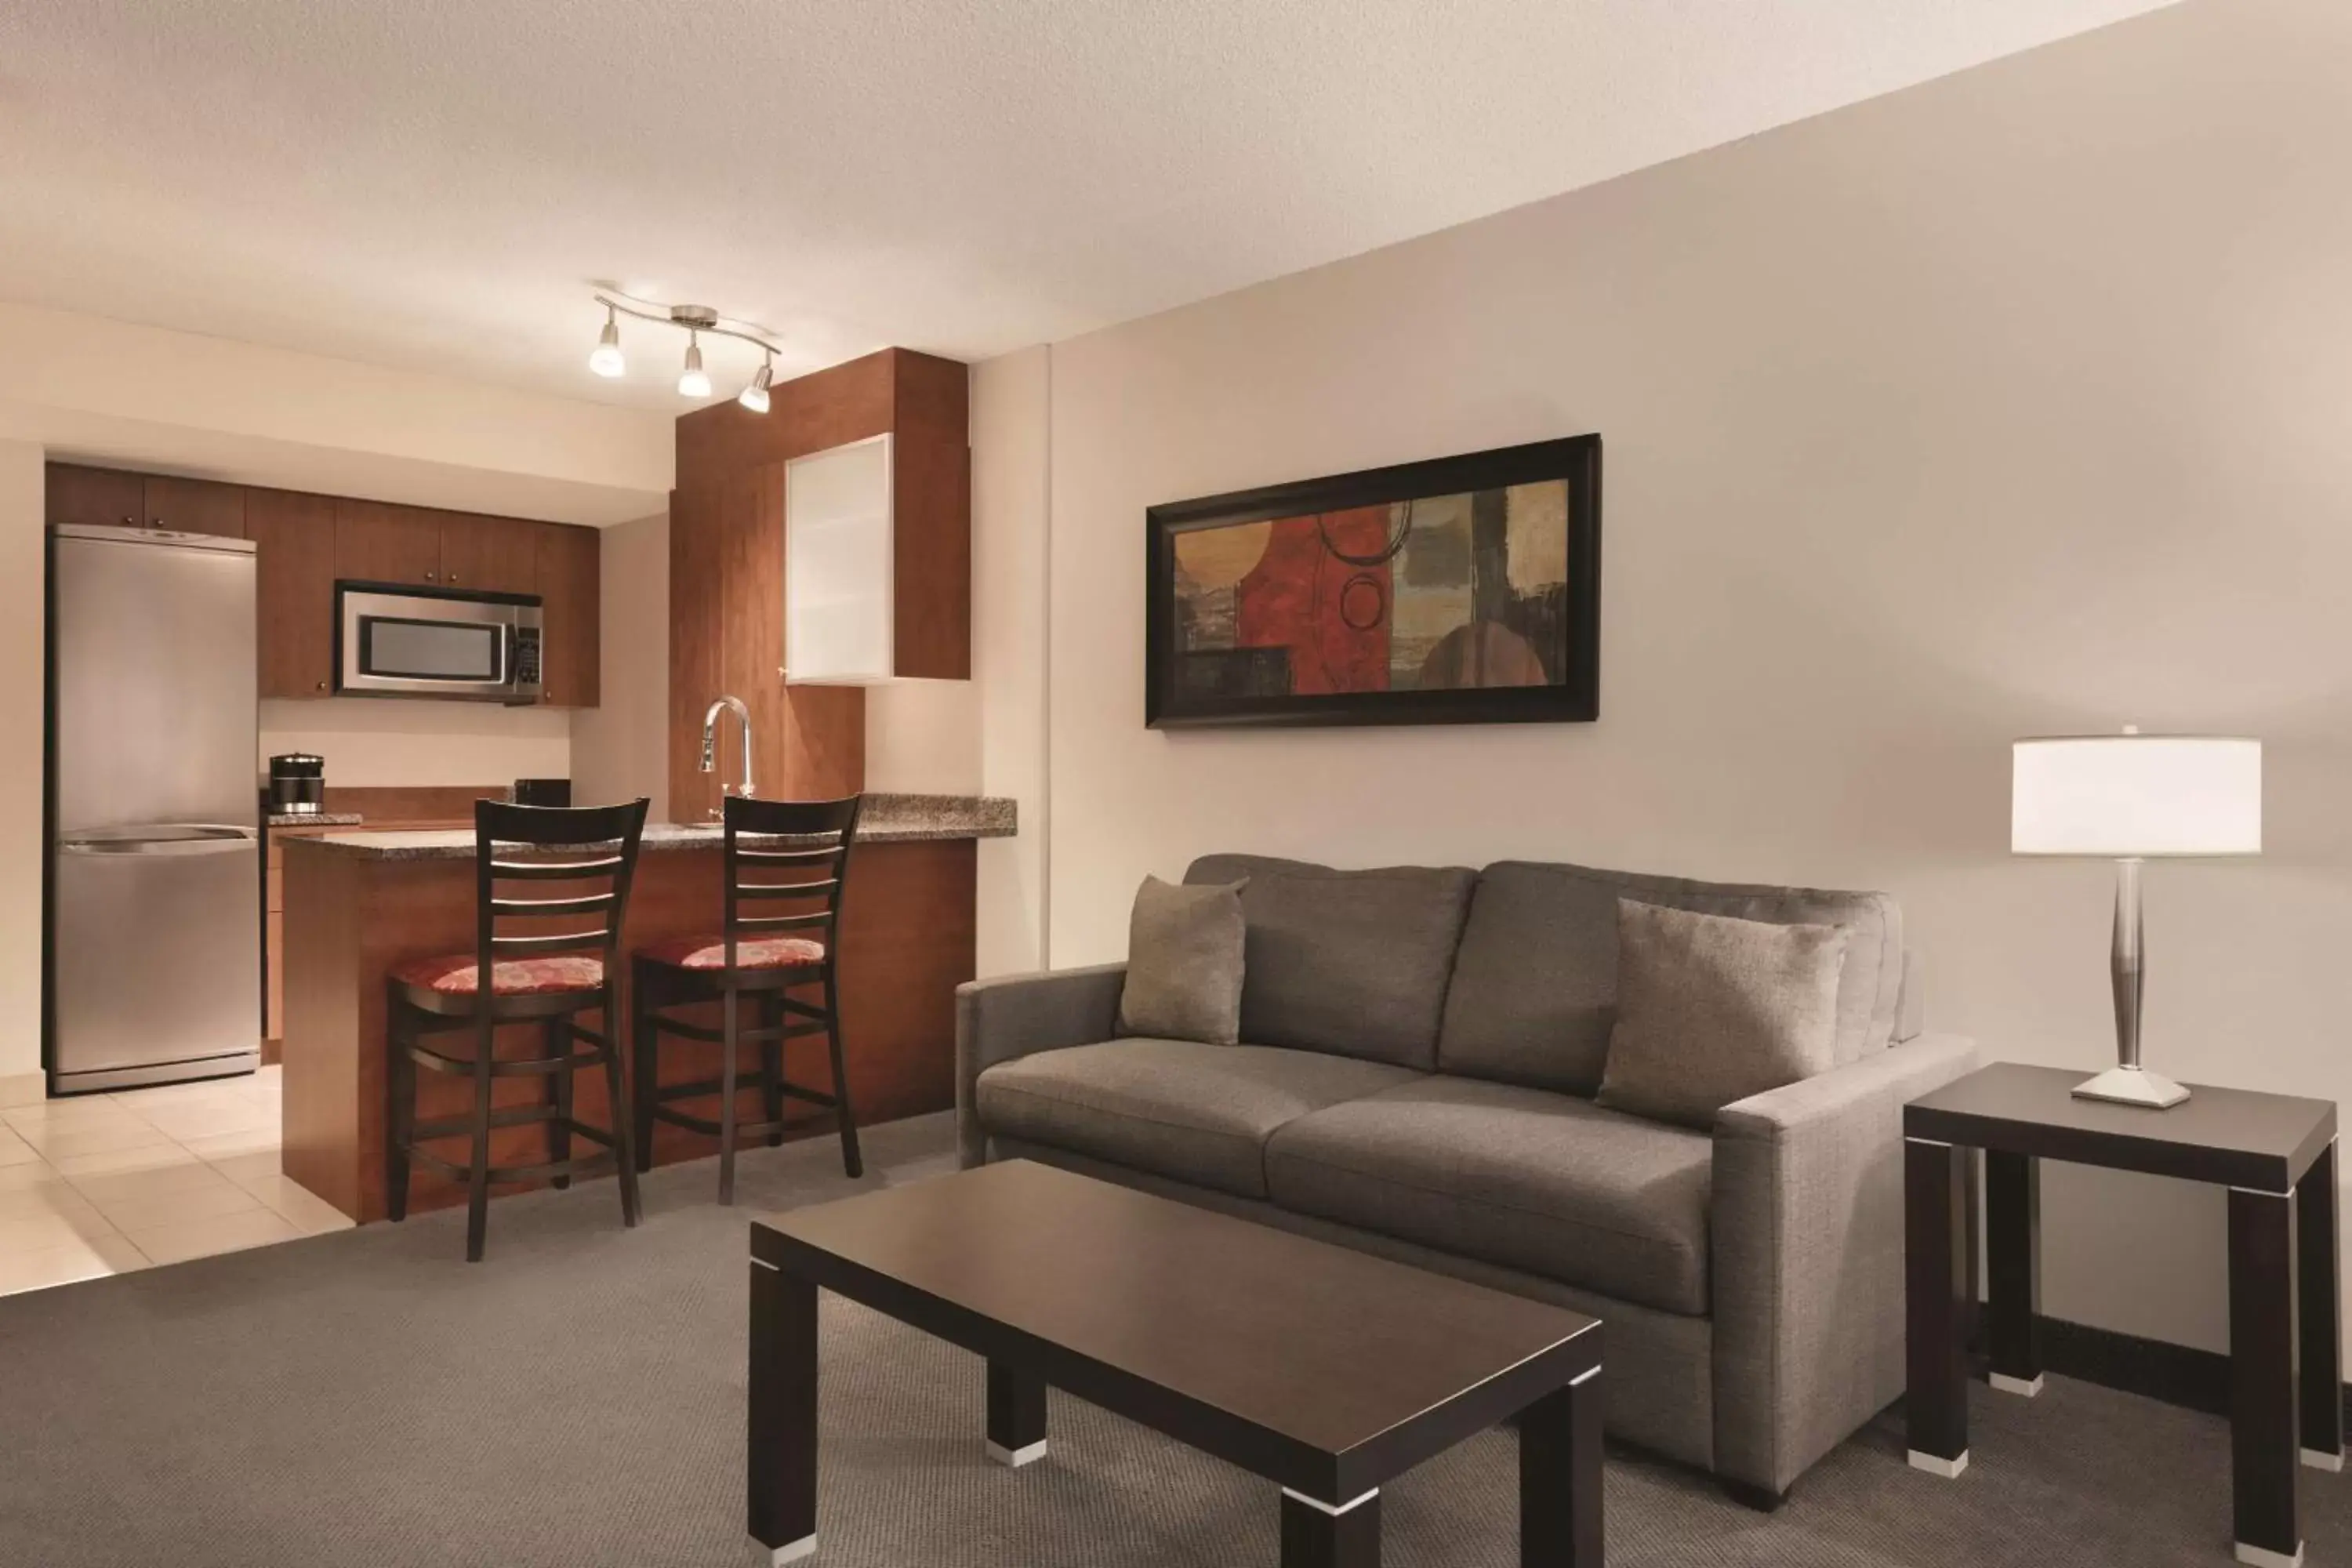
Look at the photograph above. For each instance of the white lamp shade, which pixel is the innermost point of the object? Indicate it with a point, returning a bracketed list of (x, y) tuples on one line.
[(2129, 796)]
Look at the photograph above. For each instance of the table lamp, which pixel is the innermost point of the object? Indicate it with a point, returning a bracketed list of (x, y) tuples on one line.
[(2129, 798)]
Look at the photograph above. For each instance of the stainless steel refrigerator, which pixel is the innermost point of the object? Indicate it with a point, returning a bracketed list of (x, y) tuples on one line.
[(153, 931)]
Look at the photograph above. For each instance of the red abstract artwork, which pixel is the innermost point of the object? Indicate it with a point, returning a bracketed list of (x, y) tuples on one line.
[(1329, 613)]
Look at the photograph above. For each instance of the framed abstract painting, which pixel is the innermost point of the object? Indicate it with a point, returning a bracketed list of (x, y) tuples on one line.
[(1460, 591)]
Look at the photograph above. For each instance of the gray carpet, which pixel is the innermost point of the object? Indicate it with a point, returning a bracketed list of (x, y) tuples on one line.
[(367, 1398)]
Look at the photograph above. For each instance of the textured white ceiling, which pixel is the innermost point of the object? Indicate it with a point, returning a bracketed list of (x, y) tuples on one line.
[(433, 184)]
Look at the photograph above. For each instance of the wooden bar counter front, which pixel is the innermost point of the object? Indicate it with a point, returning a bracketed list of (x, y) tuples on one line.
[(357, 903)]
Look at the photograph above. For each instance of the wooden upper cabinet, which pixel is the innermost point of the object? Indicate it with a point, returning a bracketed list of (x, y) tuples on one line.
[(103, 498), (571, 589), (194, 506), (112, 498), (489, 554), (294, 544), (378, 542)]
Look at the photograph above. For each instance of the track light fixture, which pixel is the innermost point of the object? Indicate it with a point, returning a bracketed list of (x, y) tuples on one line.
[(755, 396), (693, 381)]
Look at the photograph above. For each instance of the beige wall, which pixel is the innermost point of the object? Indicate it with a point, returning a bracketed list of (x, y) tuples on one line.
[(379, 742), (1010, 530), (619, 749), (106, 391), (922, 737), (2016, 402), (22, 572)]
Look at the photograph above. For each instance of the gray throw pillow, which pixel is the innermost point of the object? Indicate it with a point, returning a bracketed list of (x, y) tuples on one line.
[(1711, 1009), (1184, 963)]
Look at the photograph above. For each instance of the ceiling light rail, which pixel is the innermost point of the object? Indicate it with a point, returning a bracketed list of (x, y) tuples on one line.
[(694, 320)]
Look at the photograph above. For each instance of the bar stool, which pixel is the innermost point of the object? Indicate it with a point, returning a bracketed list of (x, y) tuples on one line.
[(551, 977), (805, 848)]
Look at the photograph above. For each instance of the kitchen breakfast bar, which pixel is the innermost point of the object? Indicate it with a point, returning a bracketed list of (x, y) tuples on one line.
[(356, 904)]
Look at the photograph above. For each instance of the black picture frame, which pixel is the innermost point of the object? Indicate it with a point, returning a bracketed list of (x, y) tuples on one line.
[(1576, 699)]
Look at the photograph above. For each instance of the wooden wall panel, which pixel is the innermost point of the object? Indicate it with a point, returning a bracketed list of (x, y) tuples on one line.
[(931, 540), (695, 612), (727, 565)]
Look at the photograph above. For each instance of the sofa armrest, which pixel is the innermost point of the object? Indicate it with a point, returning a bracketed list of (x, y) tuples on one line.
[(997, 1020), (1806, 1236)]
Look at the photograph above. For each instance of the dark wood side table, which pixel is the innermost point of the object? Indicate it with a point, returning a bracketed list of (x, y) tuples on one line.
[(2276, 1154)]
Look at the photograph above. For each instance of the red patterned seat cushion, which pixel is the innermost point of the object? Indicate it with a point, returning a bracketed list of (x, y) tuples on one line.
[(453, 974), (752, 952)]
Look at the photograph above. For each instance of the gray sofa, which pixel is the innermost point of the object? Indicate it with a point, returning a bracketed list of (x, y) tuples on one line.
[(1421, 1049)]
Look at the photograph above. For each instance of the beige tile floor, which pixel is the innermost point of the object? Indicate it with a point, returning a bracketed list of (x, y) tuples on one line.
[(105, 1183)]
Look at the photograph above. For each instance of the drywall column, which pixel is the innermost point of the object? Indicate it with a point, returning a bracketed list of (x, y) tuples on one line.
[(619, 747), (1009, 429), (21, 573)]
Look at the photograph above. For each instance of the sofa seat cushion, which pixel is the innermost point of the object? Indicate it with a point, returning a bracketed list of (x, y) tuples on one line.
[(1522, 1177), (1181, 1108)]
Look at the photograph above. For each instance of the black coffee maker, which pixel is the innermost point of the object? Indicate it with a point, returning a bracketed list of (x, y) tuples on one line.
[(298, 784)]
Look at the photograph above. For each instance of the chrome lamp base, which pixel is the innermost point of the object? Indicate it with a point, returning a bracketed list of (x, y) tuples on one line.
[(2132, 1086)]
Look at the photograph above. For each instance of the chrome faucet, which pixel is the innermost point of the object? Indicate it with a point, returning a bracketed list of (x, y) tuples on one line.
[(711, 743)]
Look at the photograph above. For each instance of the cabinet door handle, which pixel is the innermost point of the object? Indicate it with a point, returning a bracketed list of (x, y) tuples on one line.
[(322, 686), (428, 576), (452, 577)]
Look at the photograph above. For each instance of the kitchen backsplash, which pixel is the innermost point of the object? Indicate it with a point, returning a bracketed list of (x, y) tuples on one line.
[(377, 742)]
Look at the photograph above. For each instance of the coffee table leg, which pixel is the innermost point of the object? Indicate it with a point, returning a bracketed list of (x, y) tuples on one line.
[(781, 1510), (2012, 1248), (2320, 1314), (1316, 1535), (1935, 1240), (1559, 1478), (2264, 1430), (1016, 1416)]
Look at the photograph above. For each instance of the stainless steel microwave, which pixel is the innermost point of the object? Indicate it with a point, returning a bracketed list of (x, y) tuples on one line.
[(394, 640)]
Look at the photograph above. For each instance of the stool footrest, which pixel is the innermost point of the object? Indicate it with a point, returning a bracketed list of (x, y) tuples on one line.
[(753, 1034), (663, 1093), (605, 1164), (520, 1066), (514, 1116)]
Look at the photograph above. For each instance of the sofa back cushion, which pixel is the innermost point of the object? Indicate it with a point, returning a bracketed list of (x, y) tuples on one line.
[(1352, 962), (1534, 986)]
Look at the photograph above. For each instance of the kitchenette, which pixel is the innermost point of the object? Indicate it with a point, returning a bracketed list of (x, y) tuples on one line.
[(271, 714)]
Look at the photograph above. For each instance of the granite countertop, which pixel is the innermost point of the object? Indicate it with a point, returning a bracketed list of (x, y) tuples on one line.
[(315, 819), (886, 819)]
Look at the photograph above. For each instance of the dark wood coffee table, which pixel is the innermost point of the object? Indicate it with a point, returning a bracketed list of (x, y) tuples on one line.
[(1328, 1372), (2275, 1152)]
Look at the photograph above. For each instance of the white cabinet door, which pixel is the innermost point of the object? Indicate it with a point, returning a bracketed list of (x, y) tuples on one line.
[(838, 585)]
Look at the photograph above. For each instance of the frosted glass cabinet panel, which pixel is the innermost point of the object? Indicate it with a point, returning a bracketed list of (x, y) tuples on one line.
[(838, 551)]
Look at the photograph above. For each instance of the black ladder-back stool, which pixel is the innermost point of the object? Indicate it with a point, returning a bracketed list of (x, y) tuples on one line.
[(536, 974), (803, 858)]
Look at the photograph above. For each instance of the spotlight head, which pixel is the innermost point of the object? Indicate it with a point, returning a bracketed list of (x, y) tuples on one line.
[(607, 359), (692, 381), (755, 396)]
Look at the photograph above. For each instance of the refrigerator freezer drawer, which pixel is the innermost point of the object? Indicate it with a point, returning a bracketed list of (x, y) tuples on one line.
[(157, 956)]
